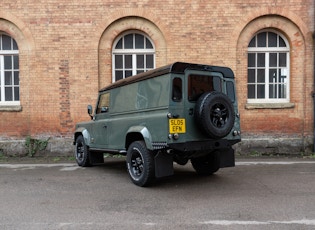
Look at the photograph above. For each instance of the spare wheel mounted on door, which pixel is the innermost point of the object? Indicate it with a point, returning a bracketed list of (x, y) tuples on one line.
[(215, 114)]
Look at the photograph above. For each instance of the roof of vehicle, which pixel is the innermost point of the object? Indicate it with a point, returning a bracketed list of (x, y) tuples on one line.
[(176, 67)]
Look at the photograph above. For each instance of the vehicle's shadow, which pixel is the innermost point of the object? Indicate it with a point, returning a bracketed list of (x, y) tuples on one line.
[(183, 175)]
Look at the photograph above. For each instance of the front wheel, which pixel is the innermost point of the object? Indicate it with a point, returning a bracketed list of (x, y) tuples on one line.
[(82, 153), (140, 164)]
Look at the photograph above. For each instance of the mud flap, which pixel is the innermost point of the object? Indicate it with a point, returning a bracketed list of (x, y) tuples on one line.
[(96, 158), (227, 158), (163, 165)]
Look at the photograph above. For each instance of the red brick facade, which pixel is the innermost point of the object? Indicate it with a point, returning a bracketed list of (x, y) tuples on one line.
[(65, 55)]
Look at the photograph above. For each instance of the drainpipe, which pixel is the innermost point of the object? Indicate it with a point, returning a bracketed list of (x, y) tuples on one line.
[(314, 84)]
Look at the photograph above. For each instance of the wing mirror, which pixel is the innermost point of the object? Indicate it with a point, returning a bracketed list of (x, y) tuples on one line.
[(90, 111)]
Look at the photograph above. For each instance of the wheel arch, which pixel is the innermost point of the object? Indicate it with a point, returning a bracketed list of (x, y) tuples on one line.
[(136, 133), (85, 133)]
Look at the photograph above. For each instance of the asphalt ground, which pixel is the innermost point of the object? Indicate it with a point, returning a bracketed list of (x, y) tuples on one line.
[(259, 193)]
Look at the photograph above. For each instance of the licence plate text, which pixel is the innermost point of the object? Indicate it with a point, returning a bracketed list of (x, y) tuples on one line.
[(177, 125)]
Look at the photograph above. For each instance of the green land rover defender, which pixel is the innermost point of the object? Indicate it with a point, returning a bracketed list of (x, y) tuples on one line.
[(175, 113)]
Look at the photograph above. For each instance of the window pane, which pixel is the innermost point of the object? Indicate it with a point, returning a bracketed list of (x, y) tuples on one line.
[(261, 38), (119, 75), (283, 73), (273, 60), (273, 75), (8, 62), (128, 61), (139, 41), (281, 42), (6, 42), (15, 46), (128, 41), (282, 76), (8, 78), (272, 39), (260, 75), (252, 43), (16, 78), (16, 62), (140, 61), (150, 61), (148, 44), (119, 44), (251, 76), (128, 73), (282, 59), (251, 91), (118, 61), (140, 71), (261, 91), (261, 59), (16, 94), (251, 59), (8, 94), (272, 91), (282, 91)]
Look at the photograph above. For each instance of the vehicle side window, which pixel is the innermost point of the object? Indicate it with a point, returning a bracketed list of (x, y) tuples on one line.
[(177, 89), (103, 103)]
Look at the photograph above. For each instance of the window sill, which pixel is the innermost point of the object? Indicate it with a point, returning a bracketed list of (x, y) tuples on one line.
[(287, 105), (10, 108)]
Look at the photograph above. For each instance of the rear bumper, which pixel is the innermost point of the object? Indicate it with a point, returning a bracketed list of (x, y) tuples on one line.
[(208, 145)]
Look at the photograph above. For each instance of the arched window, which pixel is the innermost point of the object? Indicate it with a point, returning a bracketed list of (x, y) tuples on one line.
[(133, 53), (268, 68), (9, 71)]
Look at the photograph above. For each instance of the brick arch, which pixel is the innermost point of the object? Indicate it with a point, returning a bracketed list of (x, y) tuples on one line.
[(119, 26), (262, 12), (14, 27), (276, 22)]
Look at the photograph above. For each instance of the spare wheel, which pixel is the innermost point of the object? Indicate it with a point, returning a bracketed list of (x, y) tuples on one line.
[(214, 114)]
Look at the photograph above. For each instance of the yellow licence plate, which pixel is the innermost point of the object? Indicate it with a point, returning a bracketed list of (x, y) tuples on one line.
[(177, 125)]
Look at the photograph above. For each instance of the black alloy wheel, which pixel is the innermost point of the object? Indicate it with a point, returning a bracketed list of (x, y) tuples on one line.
[(140, 164), (82, 154)]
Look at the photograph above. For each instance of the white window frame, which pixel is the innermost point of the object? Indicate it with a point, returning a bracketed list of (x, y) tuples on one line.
[(2, 82), (267, 51), (133, 52)]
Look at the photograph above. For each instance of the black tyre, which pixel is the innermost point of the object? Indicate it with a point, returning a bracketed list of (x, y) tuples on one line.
[(215, 114), (140, 164), (206, 165), (82, 153)]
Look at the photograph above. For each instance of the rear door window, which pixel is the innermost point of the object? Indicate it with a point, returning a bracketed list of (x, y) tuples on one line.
[(199, 84)]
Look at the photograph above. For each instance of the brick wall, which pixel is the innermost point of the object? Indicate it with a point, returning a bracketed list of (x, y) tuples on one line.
[(65, 54)]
